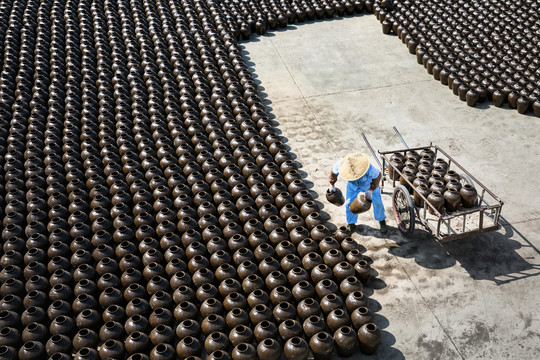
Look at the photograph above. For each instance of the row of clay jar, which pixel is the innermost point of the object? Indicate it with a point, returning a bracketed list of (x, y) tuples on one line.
[(444, 50)]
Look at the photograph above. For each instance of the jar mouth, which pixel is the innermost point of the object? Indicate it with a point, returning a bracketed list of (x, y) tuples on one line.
[(265, 324), (268, 342), (159, 311), (363, 310), (322, 336), (240, 328), (56, 338)]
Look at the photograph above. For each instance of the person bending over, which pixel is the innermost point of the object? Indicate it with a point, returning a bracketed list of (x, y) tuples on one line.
[(362, 177)]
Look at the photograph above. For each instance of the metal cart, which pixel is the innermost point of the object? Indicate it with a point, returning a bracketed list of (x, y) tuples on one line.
[(445, 226)]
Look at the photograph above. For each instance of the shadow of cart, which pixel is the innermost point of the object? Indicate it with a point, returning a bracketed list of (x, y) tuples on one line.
[(491, 256)]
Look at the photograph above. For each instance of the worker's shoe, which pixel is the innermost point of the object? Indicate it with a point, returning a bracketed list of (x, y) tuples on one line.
[(351, 228), (383, 228)]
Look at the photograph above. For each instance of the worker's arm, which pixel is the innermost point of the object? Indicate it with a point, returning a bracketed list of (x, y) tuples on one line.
[(334, 174), (374, 185), (375, 182)]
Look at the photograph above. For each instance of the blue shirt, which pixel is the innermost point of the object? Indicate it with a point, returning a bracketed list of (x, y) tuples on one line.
[(364, 183)]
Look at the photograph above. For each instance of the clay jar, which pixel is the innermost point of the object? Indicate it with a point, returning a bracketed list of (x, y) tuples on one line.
[(420, 189), (322, 345), (11, 337), (409, 175), (85, 338), (350, 285), (454, 184), (337, 318), (32, 350), (335, 196), (163, 352), (472, 97), (240, 334), (361, 316), (355, 300), (312, 325), (296, 348), (311, 260), (468, 196), (439, 170), (362, 270), (7, 352), (346, 341), (265, 330), (188, 328), (438, 186), (136, 342), (260, 313), (188, 346), (244, 351), (396, 163), (440, 162), (284, 311), (269, 349), (436, 199), (307, 307), (216, 341), (343, 270), (370, 337), (451, 200)]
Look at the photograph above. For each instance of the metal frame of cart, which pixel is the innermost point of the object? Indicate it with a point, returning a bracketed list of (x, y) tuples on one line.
[(482, 218)]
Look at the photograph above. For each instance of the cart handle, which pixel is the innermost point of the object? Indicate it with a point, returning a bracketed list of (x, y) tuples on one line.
[(400, 137), (372, 151)]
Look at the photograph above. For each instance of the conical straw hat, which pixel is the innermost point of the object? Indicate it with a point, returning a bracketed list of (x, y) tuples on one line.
[(354, 166)]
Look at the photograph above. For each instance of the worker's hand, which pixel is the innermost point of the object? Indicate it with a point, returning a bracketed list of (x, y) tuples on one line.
[(333, 178), (368, 196)]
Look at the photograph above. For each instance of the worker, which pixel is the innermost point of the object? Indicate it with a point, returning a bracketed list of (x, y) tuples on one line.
[(362, 177)]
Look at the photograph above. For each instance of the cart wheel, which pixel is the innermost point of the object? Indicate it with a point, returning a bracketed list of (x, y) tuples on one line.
[(403, 210), (467, 179)]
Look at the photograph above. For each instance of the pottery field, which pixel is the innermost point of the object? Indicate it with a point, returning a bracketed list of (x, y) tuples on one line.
[(327, 82)]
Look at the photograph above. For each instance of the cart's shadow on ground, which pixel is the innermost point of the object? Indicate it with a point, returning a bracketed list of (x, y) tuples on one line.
[(491, 256), (386, 349)]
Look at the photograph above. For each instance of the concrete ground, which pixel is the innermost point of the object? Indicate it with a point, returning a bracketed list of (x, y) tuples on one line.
[(326, 82)]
